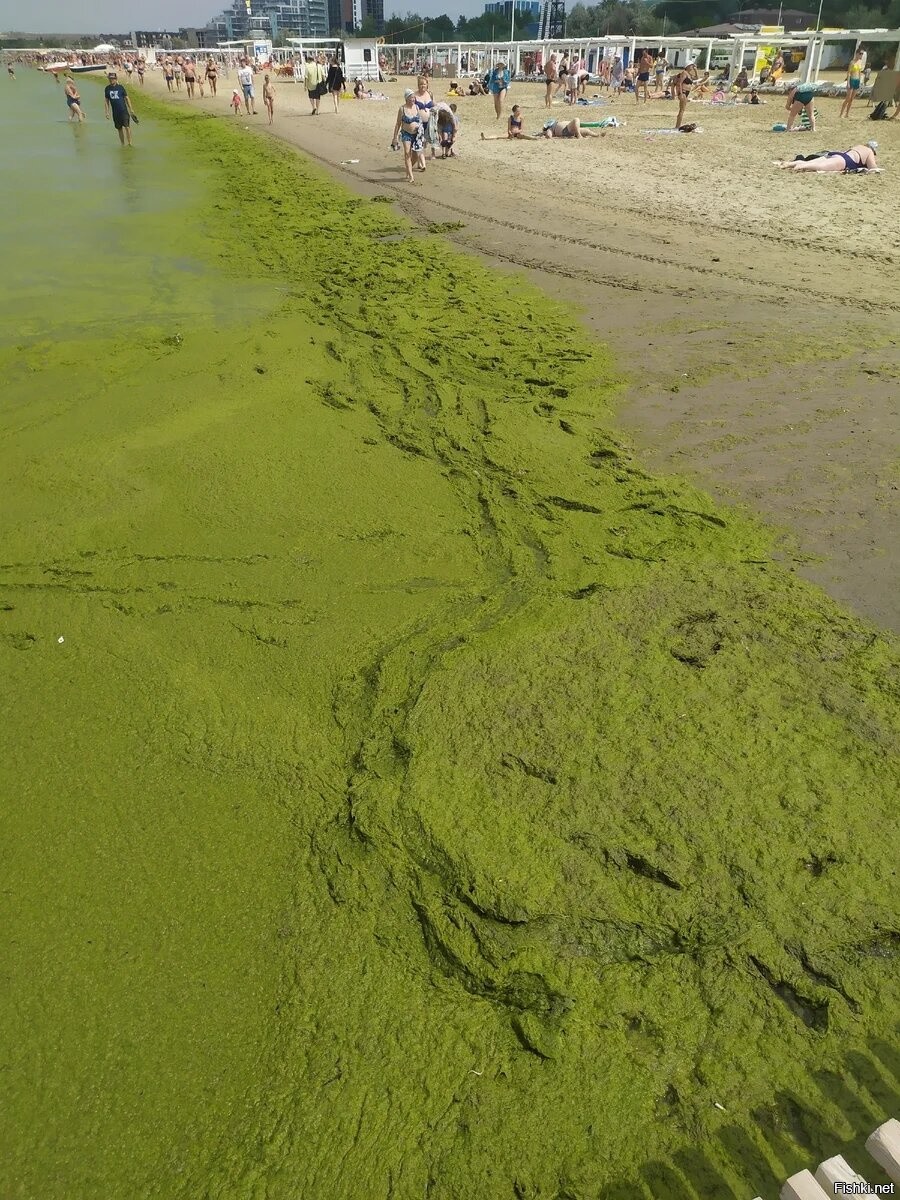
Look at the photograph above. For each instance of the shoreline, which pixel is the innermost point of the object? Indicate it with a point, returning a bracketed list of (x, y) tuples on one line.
[(797, 423)]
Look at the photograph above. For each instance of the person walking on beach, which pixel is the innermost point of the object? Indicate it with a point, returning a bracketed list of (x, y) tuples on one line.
[(73, 102), (178, 71), (854, 80), (335, 82), (498, 86), (800, 97), (425, 104), (117, 105), (245, 79), (314, 82), (212, 75), (168, 73), (551, 74), (269, 99), (140, 71), (409, 128), (190, 77)]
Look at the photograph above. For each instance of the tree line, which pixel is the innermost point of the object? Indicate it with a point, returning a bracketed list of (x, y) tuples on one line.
[(621, 17)]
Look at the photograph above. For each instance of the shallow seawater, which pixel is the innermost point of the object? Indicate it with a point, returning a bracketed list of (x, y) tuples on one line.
[(90, 232), (406, 794)]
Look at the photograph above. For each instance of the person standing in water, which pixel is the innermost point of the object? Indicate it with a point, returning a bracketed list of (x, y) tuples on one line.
[(73, 102), (117, 105), (269, 99)]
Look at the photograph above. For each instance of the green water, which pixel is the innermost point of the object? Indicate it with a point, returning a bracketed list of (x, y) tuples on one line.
[(424, 800)]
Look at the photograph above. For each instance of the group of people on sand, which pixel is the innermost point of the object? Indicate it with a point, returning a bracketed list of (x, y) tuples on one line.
[(423, 123)]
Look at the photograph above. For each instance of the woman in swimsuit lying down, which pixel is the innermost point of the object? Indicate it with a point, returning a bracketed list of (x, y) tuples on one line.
[(566, 129), (857, 158)]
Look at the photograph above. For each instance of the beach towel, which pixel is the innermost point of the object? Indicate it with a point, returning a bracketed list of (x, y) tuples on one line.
[(654, 132)]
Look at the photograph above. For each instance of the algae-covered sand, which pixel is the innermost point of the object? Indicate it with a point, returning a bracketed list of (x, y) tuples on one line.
[(424, 800)]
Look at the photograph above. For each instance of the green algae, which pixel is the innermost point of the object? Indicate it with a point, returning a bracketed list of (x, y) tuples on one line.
[(462, 810)]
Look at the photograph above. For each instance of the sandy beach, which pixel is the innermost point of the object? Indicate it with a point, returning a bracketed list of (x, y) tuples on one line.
[(755, 313)]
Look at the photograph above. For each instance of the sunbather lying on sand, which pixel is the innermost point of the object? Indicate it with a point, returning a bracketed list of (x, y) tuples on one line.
[(566, 129), (857, 158)]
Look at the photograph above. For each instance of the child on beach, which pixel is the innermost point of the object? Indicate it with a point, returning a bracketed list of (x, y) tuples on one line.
[(447, 127), (236, 101), (269, 99), (514, 130)]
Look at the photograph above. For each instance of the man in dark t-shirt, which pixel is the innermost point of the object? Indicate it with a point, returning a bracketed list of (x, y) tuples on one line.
[(117, 105)]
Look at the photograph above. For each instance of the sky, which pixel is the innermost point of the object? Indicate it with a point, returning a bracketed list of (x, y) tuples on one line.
[(112, 16)]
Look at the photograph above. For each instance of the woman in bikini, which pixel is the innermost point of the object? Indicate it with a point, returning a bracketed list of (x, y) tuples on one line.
[(424, 102), (514, 130), (212, 74), (838, 162), (681, 83), (408, 127), (566, 129)]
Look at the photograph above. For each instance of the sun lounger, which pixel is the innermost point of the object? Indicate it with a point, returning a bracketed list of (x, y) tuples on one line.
[(802, 1186), (884, 1146), (838, 1170)]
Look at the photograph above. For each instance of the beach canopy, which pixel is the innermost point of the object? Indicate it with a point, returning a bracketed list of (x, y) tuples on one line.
[(103, 48)]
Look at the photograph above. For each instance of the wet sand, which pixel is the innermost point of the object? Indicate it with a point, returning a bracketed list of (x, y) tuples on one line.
[(756, 313)]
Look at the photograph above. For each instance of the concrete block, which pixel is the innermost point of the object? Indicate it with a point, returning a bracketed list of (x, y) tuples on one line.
[(884, 1146), (838, 1170), (802, 1186)]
